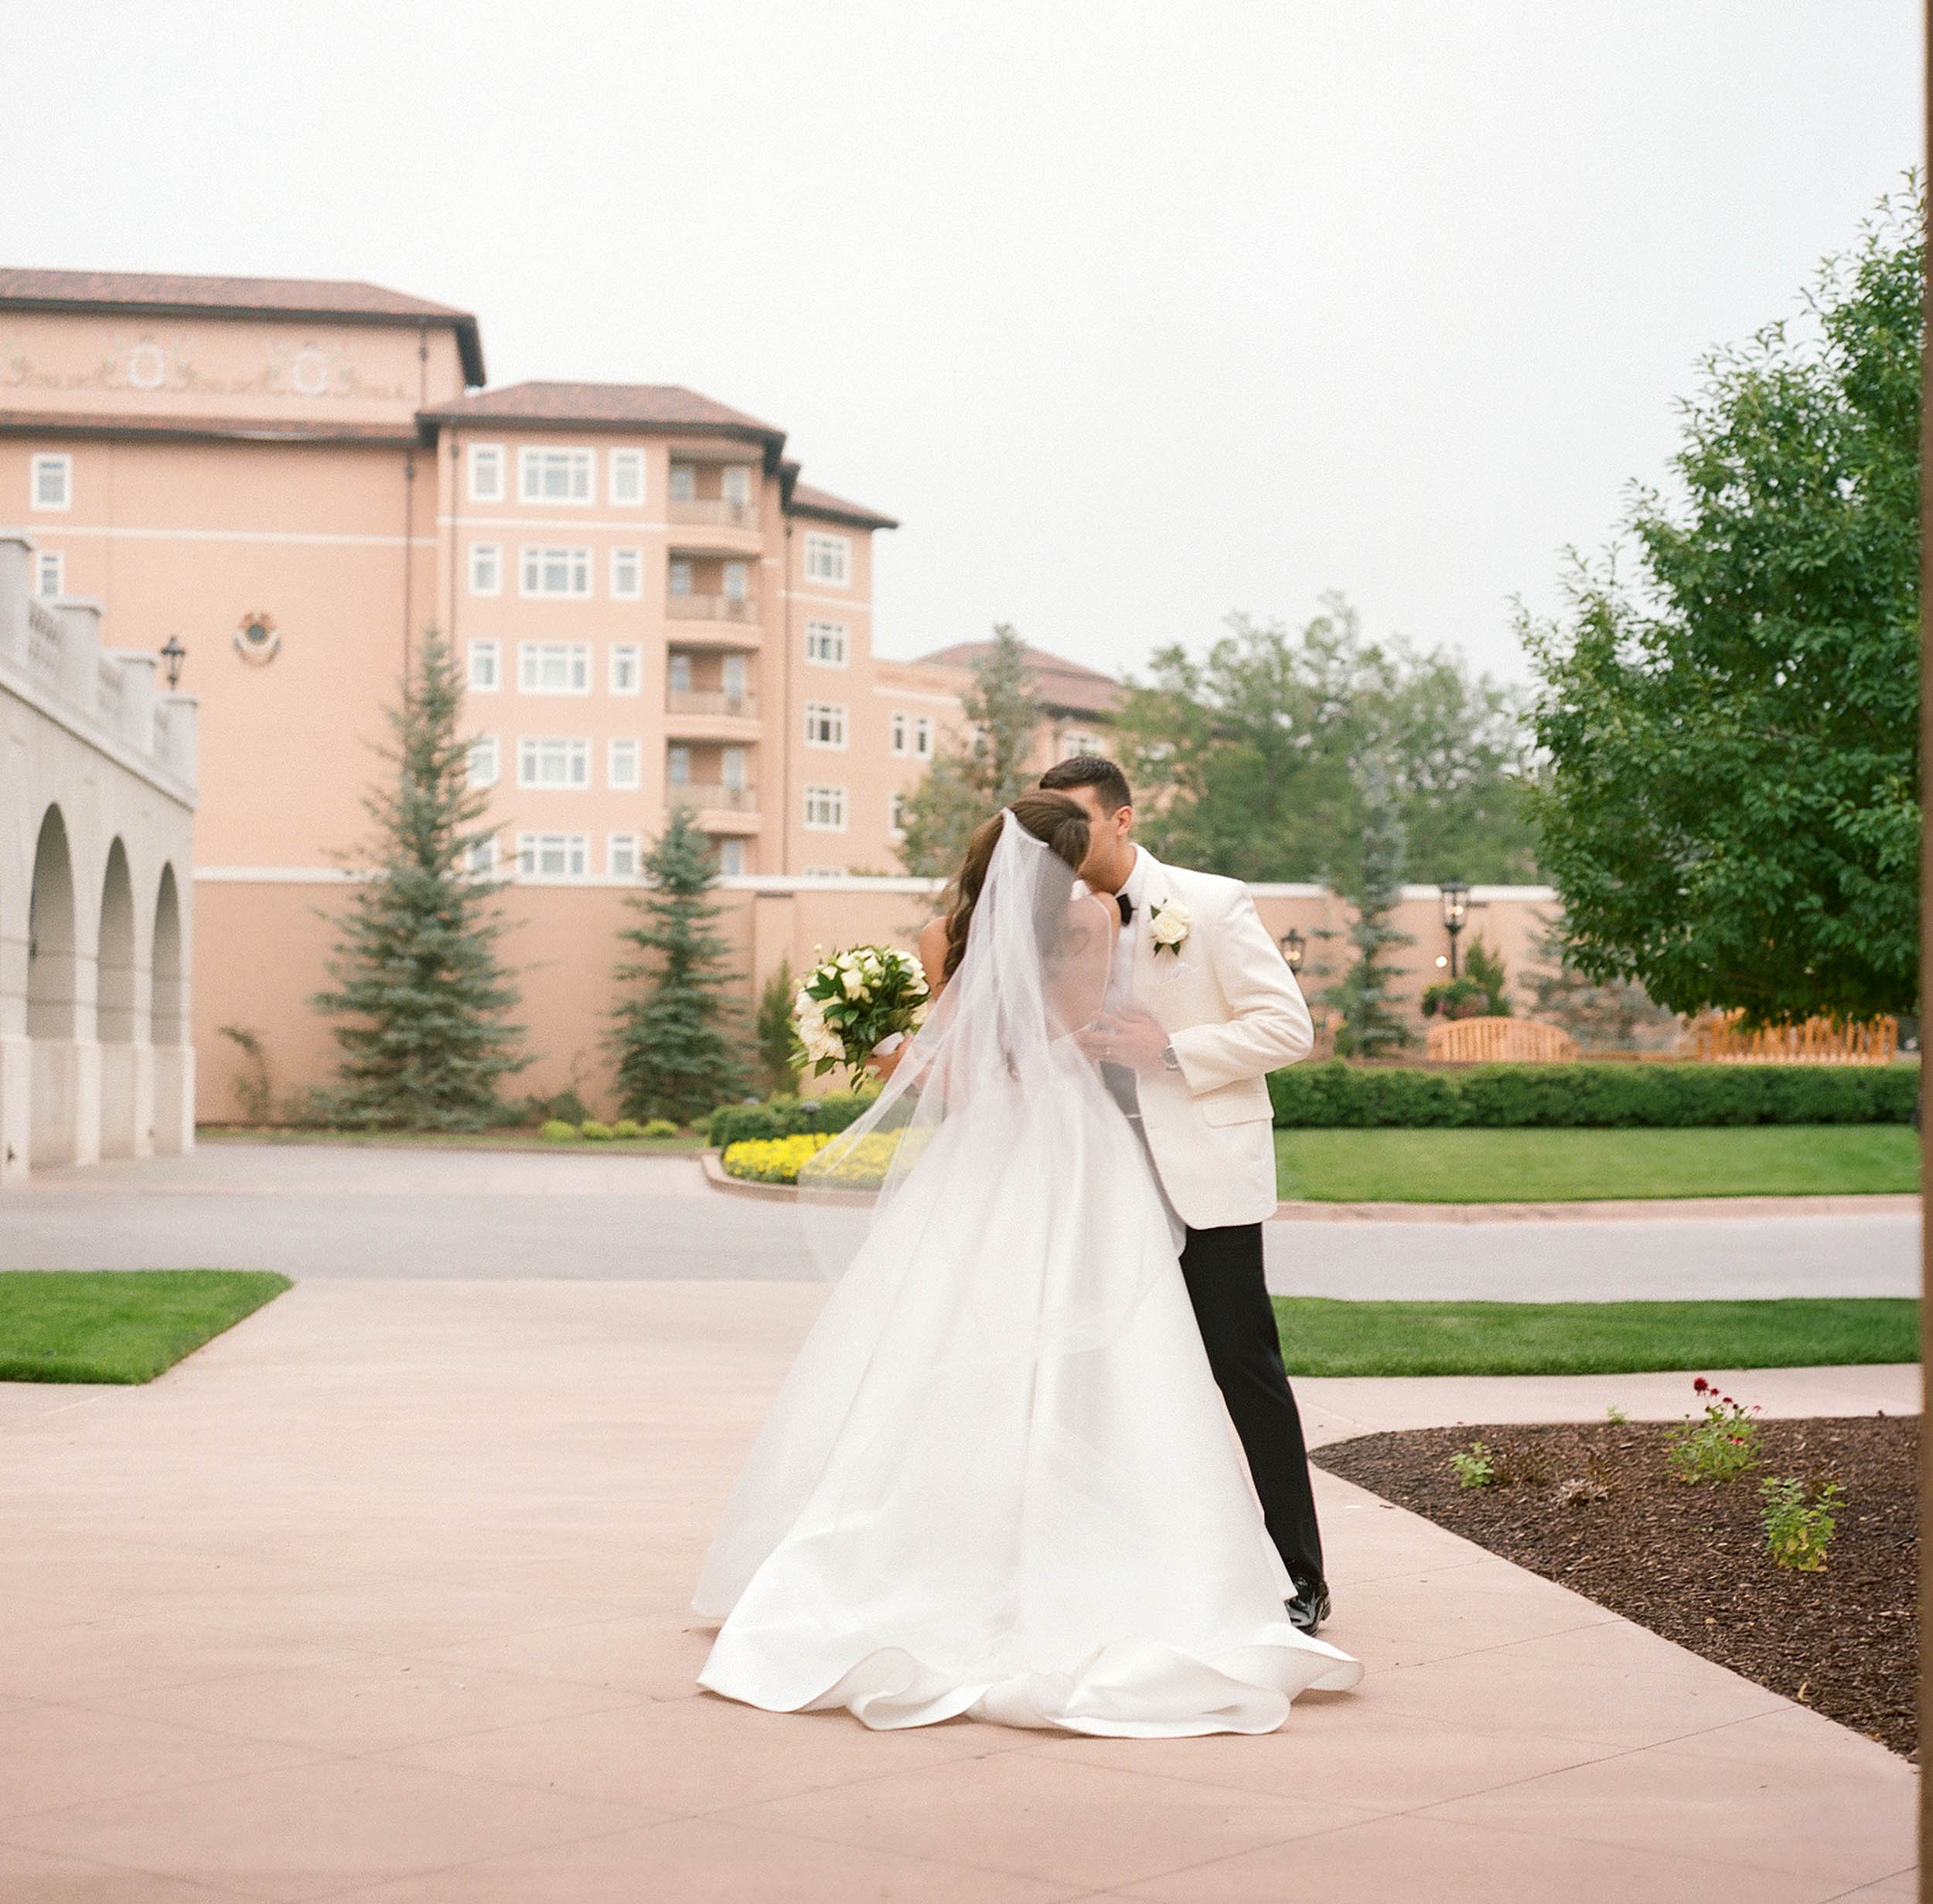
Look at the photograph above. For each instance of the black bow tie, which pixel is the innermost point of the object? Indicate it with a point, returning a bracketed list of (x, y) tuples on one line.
[(1127, 908)]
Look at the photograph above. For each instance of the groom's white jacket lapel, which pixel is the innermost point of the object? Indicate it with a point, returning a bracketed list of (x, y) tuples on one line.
[(1233, 1011)]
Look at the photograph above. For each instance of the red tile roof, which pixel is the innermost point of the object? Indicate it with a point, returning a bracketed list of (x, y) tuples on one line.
[(651, 406), (806, 501), (1063, 686), (237, 297)]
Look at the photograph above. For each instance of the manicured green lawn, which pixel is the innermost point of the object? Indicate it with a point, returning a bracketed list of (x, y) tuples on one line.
[(518, 1139), (1323, 1337), (119, 1325), (1565, 1165)]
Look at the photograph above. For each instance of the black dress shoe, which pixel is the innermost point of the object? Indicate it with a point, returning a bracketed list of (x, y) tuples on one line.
[(1310, 1605)]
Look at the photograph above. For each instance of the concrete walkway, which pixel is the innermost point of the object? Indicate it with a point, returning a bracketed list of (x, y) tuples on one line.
[(380, 1597), (316, 1210)]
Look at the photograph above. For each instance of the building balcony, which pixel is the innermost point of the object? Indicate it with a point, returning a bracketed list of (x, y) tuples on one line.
[(711, 702), (718, 510), (735, 610), (719, 809)]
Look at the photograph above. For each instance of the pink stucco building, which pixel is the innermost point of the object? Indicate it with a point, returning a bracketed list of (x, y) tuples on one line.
[(296, 478)]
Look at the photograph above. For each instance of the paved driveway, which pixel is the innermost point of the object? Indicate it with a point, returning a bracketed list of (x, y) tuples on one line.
[(316, 1210)]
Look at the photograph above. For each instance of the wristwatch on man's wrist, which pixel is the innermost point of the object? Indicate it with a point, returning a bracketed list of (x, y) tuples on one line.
[(1170, 1059)]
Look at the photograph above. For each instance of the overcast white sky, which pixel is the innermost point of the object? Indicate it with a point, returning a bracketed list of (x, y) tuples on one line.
[(1134, 314)]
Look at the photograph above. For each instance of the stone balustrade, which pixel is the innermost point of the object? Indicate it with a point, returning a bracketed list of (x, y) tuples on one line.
[(108, 692)]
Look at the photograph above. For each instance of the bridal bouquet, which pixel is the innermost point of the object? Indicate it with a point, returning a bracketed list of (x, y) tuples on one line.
[(853, 1003)]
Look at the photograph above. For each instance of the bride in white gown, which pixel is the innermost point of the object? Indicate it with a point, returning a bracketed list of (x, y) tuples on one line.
[(999, 1480)]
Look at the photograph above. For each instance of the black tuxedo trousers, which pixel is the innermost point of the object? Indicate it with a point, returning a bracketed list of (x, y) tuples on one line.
[(1223, 1270)]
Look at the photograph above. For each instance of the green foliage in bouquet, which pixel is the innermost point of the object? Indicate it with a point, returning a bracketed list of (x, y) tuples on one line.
[(852, 1001)]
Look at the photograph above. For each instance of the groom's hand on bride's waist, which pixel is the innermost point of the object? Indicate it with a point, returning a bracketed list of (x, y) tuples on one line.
[(1134, 1038)]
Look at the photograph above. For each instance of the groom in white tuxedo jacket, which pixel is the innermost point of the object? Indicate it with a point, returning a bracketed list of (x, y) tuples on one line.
[(1201, 1007)]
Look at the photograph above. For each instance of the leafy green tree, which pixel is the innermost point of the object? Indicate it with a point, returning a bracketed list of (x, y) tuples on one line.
[(1732, 813), (674, 1038), (1372, 1024), (1242, 760), (420, 993), (782, 1058), (979, 773)]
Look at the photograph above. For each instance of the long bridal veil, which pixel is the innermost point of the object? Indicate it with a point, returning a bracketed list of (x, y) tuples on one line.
[(998, 1479)]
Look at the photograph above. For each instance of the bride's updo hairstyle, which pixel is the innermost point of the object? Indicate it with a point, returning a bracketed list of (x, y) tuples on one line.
[(1053, 819)]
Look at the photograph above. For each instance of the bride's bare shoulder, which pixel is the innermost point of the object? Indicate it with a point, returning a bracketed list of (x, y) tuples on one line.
[(933, 952)]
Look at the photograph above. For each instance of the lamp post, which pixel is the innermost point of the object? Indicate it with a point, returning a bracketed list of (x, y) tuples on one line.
[(1456, 909), (172, 655), (1294, 947)]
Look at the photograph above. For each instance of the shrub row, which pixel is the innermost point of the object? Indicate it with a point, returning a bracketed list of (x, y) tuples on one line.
[(1336, 1096), (784, 1117)]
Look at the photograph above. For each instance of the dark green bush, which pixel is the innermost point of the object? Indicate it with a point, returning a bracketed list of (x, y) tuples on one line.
[(1336, 1096), (784, 1117)]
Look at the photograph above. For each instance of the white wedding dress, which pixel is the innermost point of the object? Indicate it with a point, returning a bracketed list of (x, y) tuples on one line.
[(999, 1480)]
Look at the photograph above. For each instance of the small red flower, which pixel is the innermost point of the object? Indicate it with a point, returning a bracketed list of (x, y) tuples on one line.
[(1699, 1385)]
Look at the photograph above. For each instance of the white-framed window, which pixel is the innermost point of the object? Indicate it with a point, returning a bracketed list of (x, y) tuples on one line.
[(923, 738), (734, 484), (1074, 744), (486, 472), (486, 569), (554, 667), (627, 477), (737, 576), (556, 475), (479, 857), (826, 643), (898, 730), (731, 768), (627, 574), (829, 559), (678, 766), (553, 761), (49, 572), (684, 483), (627, 668), (826, 809), (678, 578), (678, 673), (484, 676), (621, 856), (825, 725), (731, 678), (50, 486), (553, 856), (556, 571), (484, 764), (896, 816), (731, 858), (621, 766)]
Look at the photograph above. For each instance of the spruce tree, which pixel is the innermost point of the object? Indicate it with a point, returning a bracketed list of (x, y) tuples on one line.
[(420, 992), (677, 1056), (1372, 1022), (980, 774)]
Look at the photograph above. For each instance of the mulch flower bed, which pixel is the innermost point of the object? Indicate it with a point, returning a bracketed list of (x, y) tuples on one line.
[(1594, 1507)]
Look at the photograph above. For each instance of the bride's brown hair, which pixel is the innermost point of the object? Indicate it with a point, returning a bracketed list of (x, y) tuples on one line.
[(1052, 818)]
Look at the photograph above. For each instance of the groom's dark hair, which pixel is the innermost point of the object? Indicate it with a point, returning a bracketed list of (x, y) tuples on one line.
[(1090, 770)]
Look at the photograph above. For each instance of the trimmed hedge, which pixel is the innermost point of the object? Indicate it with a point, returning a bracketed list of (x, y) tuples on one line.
[(1338, 1096), (784, 1117)]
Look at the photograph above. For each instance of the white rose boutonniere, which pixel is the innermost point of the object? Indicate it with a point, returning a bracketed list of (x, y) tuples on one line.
[(1167, 926)]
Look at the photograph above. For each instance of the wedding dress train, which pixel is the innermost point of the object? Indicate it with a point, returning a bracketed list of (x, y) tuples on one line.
[(999, 1480)]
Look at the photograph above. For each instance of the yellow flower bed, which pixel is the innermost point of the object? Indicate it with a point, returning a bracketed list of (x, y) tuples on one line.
[(772, 1160), (860, 1166)]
